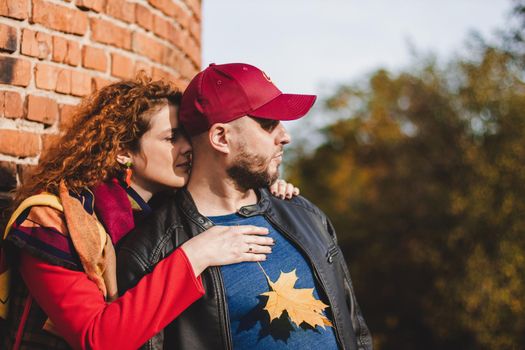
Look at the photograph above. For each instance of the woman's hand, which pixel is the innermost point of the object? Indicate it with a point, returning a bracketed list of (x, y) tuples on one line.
[(224, 245), (283, 189)]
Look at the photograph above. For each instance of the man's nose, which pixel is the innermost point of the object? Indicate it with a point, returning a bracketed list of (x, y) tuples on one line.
[(283, 137), (186, 147)]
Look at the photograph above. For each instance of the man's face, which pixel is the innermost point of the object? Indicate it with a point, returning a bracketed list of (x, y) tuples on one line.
[(257, 152)]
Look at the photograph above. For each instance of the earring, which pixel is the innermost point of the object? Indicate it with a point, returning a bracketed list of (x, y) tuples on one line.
[(129, 172)]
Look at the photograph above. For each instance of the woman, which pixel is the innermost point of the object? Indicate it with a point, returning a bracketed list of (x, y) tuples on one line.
[(89, 191)]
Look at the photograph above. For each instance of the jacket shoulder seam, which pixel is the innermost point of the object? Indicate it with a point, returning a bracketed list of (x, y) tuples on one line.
[(303, 203)]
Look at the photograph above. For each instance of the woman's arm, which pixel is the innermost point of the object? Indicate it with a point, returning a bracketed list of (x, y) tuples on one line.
[(82, 317), (77, 307)]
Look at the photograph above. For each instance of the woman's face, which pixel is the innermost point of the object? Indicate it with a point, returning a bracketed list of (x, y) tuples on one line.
[(163, 160)]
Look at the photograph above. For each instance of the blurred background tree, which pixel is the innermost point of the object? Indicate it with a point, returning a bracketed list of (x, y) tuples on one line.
[(423, 175)]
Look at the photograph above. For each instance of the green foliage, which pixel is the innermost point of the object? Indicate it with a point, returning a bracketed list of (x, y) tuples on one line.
[(424, 179)]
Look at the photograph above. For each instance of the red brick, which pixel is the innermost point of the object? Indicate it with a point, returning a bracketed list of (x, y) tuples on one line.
[(143, 66), (173, 58), (59, 17), (59, 49), (48, 141), (195, 30), (66, 51), (36, 44), (25, 172), (196, 7), (94, 5), (67, 113), (181, 84), (106, 32), (122, 66), (80, 83), (63, 81), (7, 176), (73, 55), (144, 17), (176, 36), (8, 38), (161, 74), (42, 109), (46, 76), (166, 6), (180, 38), (121, 9), (14, 8), (146, 46), (94, 58), (189, 45), (162, 27), (14, 71), (194, 52), (13, 105), (187, 69), (182, 16), (19, 143), (99, 83)]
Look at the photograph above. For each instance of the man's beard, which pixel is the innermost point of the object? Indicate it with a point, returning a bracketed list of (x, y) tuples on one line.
[(250, 171)]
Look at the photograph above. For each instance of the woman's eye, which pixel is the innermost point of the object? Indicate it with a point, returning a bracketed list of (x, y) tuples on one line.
[(173, 138)]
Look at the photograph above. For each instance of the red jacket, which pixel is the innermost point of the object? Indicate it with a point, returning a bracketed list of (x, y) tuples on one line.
[(49, 282)]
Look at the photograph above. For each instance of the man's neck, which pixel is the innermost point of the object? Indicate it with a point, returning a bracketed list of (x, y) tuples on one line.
[(216, 195)]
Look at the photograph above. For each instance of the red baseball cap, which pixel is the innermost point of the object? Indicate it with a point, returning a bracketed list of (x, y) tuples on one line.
[(225, 92)]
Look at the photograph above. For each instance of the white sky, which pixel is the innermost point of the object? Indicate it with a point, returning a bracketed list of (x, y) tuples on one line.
[(306, 44)]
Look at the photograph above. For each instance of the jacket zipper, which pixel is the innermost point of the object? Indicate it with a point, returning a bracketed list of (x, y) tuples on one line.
[(316, 273), (222, 305), (331, 254), (223, 308)]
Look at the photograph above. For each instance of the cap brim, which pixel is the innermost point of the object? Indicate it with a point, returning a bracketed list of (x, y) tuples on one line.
[(285, 107)]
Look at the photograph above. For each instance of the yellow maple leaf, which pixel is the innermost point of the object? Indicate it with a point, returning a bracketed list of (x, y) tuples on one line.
[(300, 303)]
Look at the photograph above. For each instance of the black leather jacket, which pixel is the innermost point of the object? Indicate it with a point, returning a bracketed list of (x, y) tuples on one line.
[(205, 324)]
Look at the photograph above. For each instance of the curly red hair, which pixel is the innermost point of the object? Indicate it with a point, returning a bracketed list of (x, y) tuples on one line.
[(111, 120)]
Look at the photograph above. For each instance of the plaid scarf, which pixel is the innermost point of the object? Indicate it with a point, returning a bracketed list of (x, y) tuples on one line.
[(53, 236)]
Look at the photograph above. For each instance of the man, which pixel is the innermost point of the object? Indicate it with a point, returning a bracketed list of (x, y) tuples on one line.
[(301, 297)]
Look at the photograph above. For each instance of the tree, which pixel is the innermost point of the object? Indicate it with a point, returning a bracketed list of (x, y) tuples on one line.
[(423, 177)]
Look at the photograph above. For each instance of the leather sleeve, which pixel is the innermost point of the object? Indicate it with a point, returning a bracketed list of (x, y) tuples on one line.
[(86, 321), (362, 333), (131, 267)]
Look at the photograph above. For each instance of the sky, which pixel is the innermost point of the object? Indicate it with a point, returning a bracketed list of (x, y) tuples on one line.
[(305, 45), (312, 46)]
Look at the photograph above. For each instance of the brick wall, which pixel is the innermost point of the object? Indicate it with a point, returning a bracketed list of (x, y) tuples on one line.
[(53, 52)]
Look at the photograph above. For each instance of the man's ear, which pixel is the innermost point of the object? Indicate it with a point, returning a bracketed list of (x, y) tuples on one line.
[(123, 158), (219, 135)]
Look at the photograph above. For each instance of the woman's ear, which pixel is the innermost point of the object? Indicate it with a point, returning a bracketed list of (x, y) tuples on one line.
[(123, 158), (218, 136)]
